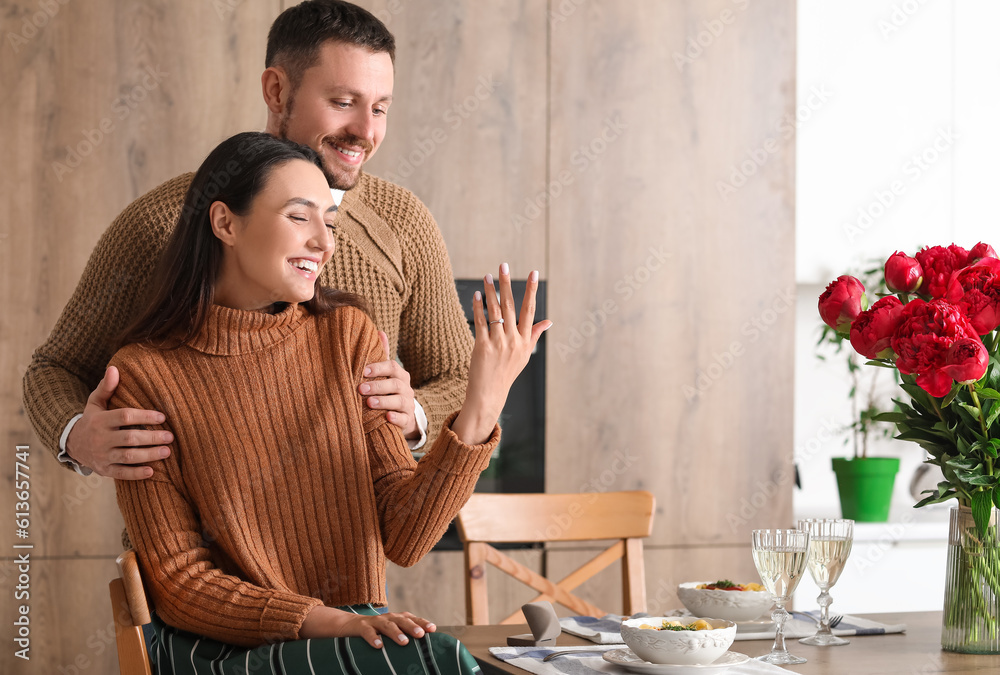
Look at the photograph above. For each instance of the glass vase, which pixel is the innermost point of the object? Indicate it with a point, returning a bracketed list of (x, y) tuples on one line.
[(971, 621)]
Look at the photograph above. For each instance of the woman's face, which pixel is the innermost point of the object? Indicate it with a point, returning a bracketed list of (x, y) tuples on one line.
[(276, 251)]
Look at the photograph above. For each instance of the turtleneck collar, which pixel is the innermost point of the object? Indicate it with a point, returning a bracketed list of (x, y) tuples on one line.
[(228, 332)]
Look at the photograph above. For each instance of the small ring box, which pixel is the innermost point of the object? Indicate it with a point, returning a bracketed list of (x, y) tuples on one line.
[(544, 625)]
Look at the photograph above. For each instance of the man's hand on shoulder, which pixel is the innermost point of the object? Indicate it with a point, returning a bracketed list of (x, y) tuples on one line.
[(393, 394), (100, 441)]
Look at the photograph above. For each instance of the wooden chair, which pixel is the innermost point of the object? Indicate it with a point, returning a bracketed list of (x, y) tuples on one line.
[(493, 518), (131, 611)]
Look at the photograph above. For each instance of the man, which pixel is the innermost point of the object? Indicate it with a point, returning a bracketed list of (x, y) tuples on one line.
[(327, 84)]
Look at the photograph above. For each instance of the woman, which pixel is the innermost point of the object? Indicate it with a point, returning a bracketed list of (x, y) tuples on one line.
[(269, 521)]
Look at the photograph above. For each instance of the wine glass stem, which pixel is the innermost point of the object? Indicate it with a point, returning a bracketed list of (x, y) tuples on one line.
[(779, 616), (824, 601)]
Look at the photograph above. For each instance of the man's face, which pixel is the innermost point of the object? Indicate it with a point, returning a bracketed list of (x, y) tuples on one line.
[(340, 109)]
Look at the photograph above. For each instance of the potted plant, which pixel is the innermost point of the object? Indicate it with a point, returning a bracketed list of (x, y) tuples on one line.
[(938, 328), (864, 483)]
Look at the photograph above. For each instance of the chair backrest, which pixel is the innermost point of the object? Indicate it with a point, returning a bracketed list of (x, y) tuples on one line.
[(626, 517), (131, 612)]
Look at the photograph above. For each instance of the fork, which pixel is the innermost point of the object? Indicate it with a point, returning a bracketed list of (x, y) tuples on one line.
[(834, 620), (565, 652)]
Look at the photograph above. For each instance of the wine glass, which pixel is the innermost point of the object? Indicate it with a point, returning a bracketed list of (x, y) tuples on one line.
[(780, 557), (829, 545)]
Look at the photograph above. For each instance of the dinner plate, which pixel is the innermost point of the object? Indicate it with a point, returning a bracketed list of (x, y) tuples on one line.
[(754, 626), (627, 659)]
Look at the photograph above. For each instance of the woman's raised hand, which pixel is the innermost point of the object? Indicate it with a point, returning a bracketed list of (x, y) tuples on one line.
[(504, 343)]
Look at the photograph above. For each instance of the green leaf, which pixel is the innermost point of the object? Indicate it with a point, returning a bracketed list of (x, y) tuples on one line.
[(969, 409), (982, 504), (916, 393), (990, 449), (950, 397), (880, 364), (996, 497), (893, 417), (983, 481), (943, 487), (963, 464), (923, 435), (936, 500), (986, 392), (994, 413)]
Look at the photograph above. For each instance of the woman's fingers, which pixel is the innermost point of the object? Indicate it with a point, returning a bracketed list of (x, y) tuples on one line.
[(391, 629), (537, 330), (370, 635), (492, 306), (409, 623), (528, 304), (477, 315), (507, 300)]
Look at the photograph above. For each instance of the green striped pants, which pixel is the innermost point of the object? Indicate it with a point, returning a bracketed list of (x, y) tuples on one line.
[(183, 653)]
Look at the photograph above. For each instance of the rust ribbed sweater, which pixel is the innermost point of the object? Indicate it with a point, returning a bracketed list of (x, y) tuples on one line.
[(282, 491), (389, 250)]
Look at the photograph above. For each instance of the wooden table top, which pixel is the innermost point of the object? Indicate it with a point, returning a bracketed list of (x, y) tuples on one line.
[(915, 652)]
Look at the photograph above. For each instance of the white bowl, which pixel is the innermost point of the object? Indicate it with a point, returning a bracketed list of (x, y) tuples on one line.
[(731, 605), (678, 647)]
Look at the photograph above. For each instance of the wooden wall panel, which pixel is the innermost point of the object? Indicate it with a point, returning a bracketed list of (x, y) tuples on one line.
[(658, 283), (140, 92), (467, 127), (71, 628), (670, 364)]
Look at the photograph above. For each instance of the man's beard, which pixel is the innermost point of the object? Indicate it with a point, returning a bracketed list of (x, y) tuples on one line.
[(338, 177)]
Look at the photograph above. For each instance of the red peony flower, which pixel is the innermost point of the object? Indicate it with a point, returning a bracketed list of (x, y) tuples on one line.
[(841, 303), (903, 274), (938, 263), (980, 251), (926, 332), (976, 291), (966, 361), (872, 331)]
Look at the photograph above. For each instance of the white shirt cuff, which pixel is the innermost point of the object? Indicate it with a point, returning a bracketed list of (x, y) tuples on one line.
[(64, 457), (421, 418)]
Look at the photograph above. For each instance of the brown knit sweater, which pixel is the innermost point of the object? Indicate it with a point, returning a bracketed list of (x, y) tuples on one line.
[(389, 250), (283, 491)]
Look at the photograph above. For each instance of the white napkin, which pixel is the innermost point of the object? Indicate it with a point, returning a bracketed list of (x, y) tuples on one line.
[(590, 661), (799, 625), (605, 631)]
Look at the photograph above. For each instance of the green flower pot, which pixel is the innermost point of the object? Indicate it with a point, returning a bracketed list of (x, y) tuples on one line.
[(865, 487)]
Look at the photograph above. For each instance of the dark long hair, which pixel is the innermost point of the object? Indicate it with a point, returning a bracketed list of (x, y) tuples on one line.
[(183, 286)]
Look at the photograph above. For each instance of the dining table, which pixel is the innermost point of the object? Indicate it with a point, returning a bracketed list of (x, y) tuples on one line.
[(914, 652)]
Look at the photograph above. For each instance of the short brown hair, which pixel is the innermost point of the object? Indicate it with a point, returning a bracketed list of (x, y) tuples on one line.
[(298, 33)]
